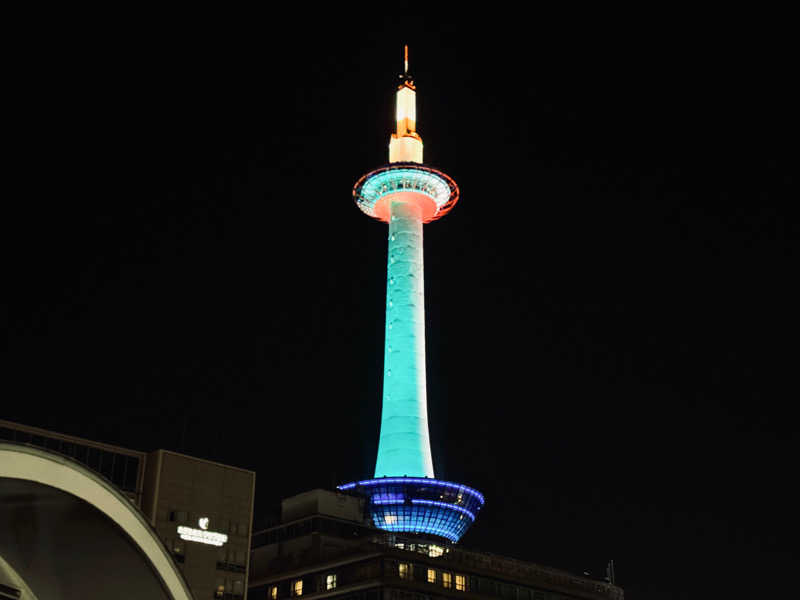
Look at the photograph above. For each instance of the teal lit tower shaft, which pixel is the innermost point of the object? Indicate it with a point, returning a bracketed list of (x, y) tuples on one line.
[(404, 496), (404, 447)]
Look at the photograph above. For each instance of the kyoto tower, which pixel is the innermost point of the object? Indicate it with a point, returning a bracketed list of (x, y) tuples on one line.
[(404, 495)]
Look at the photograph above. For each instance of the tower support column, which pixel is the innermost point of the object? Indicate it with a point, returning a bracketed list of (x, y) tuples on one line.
[(404, 446)]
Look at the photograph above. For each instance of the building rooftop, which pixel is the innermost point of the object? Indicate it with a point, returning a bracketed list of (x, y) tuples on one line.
[(315, 542)]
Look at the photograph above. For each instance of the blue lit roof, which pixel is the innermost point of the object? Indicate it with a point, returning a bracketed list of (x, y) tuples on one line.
[(420, 505)]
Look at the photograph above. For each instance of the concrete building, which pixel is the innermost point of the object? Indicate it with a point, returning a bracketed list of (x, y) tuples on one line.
[(326, 547), (203, 511), (196, 514)]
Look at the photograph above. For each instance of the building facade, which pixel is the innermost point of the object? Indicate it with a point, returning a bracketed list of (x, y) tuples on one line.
[(321, 550), (201, 511)]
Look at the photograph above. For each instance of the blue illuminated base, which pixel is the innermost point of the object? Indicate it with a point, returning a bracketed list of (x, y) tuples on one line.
[(420, 505)]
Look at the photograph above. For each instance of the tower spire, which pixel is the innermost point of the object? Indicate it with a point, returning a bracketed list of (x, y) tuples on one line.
[(405, 145)]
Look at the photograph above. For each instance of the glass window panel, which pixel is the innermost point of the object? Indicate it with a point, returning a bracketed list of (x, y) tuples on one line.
[(330, 581), (447, 580)]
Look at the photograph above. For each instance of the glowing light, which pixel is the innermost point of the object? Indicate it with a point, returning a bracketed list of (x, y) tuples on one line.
[(203, 523), (330, 581), (461, 583), (202, 536), (433, 191), (447, 579), (420, 505), (444, 505), (464, 489), (406, 113), (406, 196), (404, 444)]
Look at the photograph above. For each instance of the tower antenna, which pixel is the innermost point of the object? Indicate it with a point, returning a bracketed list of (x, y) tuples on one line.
[(405, 70)]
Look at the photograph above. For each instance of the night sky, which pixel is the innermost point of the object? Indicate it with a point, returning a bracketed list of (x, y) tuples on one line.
[(612, 307)]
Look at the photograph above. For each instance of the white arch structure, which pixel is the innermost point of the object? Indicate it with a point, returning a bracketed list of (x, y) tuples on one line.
[(49, 469)]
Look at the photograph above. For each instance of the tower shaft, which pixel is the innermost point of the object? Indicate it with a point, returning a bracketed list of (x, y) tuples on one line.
[(404, 447), (404, 496)]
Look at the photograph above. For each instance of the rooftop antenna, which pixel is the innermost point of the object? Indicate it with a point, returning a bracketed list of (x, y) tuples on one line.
[(405, 70), (610, 575)]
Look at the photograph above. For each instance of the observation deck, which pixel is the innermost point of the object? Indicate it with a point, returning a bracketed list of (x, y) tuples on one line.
[(433, 191)]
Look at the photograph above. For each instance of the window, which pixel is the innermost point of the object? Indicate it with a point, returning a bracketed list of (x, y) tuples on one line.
[(405, 570), (220, 591), (447, 580), (461, 583), (297, 588), (431, 576), (273, 592), (330, 581)]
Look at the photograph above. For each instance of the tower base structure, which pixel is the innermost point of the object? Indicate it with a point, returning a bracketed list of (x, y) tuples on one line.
[(419, 505)]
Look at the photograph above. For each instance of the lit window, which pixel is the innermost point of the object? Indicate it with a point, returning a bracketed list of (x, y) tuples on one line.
[(435, 551), (330, 581), (273, 592), (390, 519), (404, 570), (447, 580), (431, 576), (297, 588), (461, 583)]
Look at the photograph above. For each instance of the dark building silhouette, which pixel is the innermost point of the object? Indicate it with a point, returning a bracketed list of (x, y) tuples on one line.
[(326, 547), (199, 510)]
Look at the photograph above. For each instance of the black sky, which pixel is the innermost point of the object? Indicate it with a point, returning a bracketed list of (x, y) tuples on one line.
[(611, 307)]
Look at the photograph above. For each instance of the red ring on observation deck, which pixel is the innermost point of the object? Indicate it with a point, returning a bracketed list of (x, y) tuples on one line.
[(443, 194)]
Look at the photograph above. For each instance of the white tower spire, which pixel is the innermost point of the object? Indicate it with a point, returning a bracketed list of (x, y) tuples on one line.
[(405, 145)]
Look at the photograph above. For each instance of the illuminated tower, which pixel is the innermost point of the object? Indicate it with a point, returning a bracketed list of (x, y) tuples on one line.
[(404, 496)]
